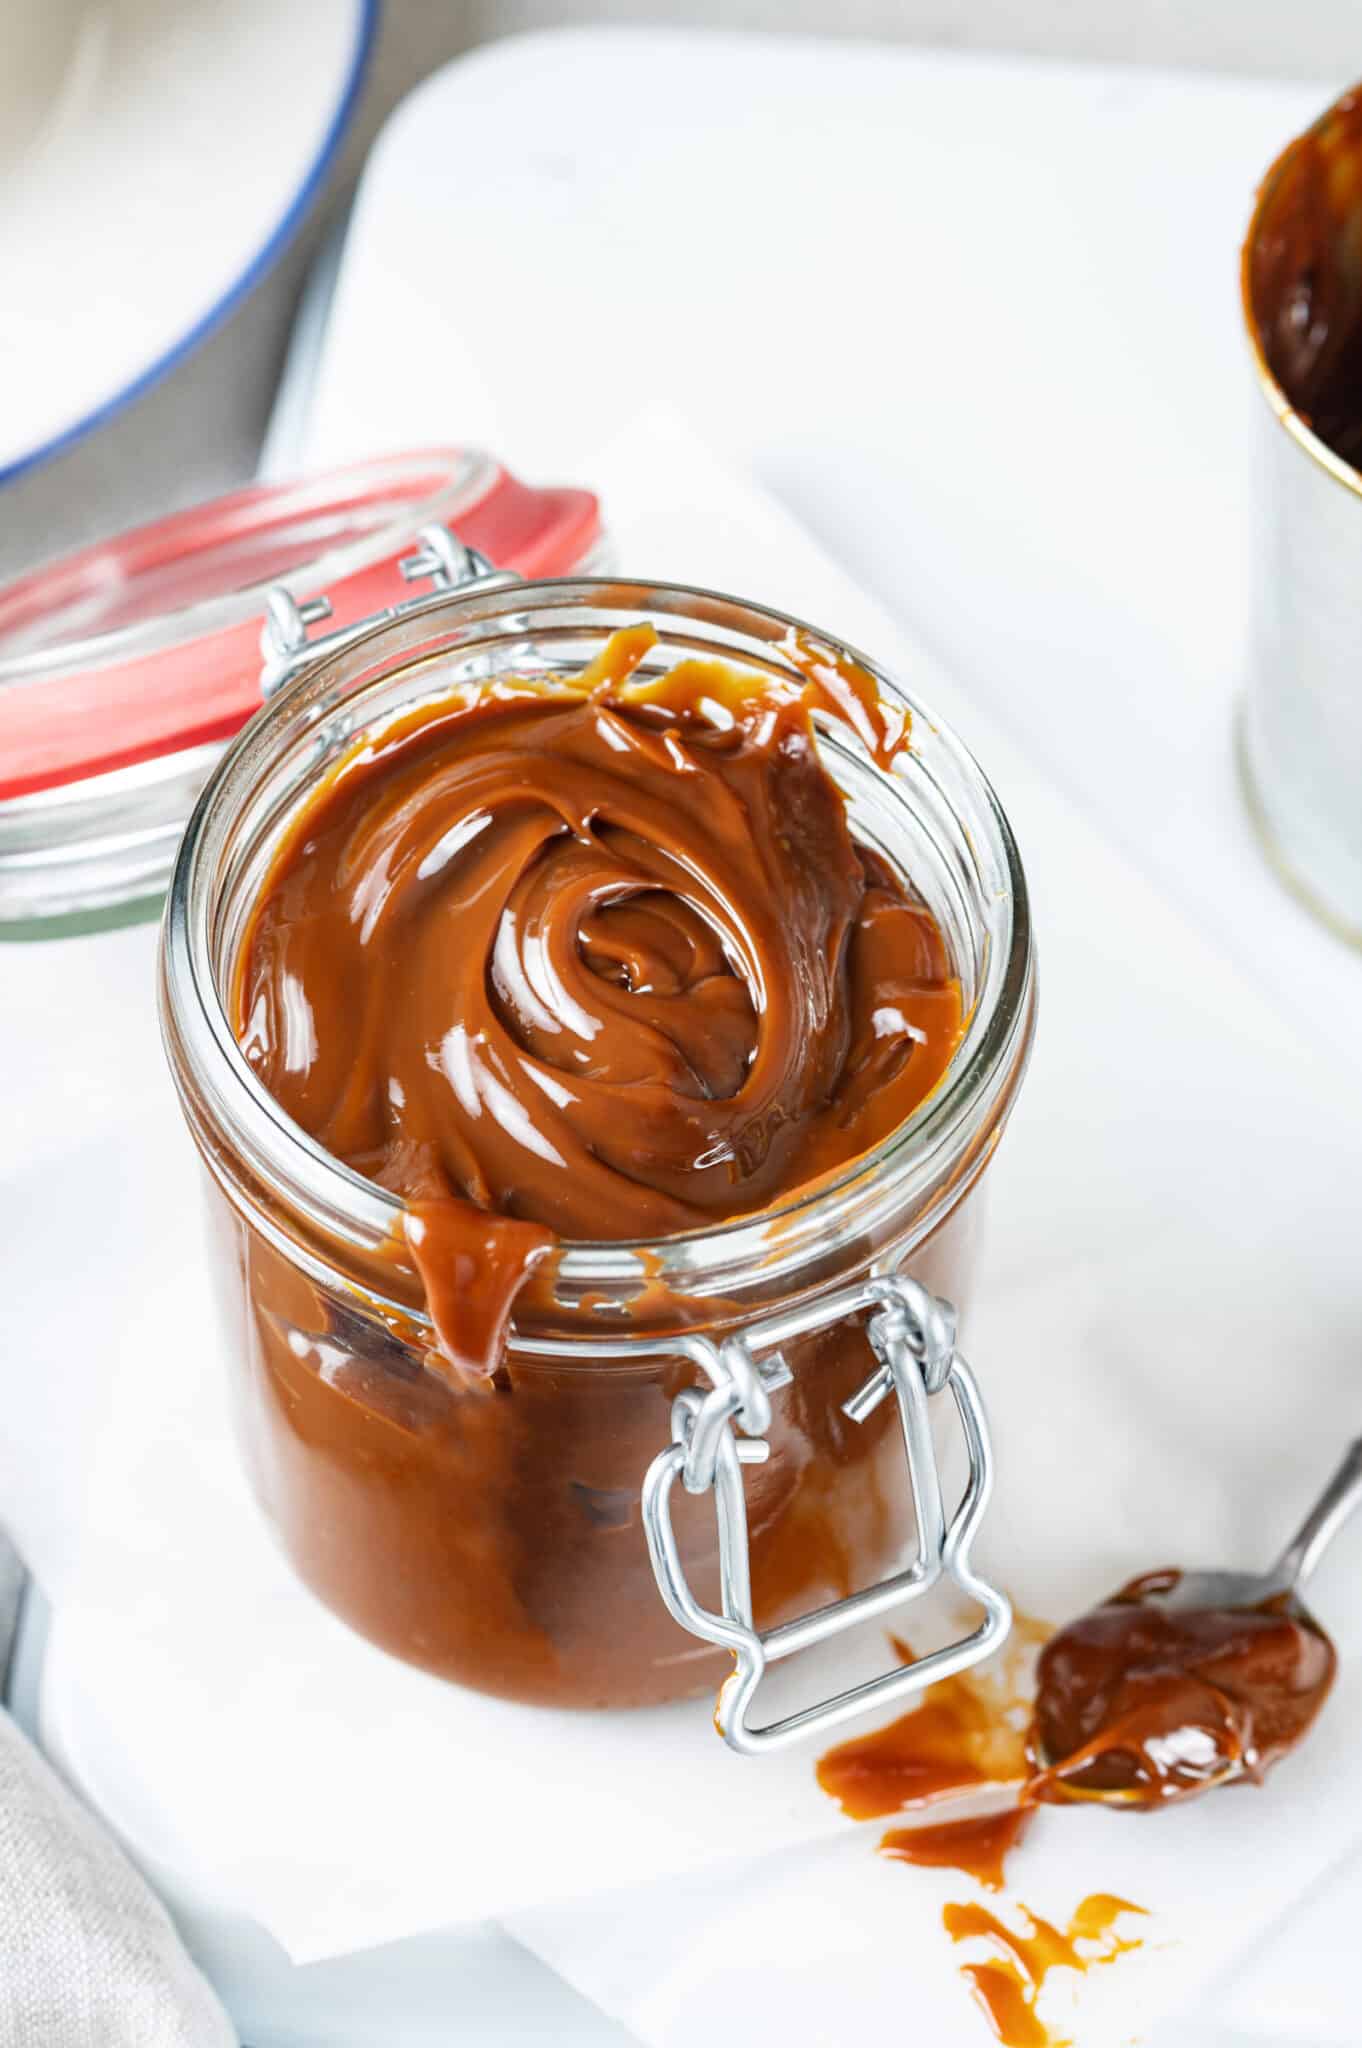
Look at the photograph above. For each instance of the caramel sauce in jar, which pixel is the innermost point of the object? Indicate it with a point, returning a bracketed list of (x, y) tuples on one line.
[(588, 994)]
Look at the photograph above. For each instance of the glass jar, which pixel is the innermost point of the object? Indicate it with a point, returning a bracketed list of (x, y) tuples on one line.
[(494, 1533)]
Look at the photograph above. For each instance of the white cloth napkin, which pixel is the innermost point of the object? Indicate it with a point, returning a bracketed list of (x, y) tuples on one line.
[(1167, 1333), (88, 1955)]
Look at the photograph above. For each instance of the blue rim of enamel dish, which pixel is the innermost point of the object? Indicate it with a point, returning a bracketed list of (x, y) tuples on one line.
[(264, 259)]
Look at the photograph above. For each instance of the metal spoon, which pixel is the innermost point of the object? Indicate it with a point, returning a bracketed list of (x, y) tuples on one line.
[(1281, 1582), (1293, 1567)]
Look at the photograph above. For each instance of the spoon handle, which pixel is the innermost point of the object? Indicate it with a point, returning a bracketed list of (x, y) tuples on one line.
[(1325, 1519)]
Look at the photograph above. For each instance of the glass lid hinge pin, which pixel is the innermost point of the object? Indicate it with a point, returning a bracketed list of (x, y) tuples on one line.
[(440, 558)]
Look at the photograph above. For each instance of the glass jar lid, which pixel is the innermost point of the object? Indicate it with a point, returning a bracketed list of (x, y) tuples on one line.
[(125, 667)]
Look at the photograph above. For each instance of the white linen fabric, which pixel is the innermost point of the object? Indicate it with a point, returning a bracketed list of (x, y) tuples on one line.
[(89, 1957)]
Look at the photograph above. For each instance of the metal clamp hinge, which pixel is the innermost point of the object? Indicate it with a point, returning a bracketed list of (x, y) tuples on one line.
[(912, 1334), (285, 648)]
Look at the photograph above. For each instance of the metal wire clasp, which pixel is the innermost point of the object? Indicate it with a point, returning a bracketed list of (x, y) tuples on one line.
[(285, 649), (912, 1334)]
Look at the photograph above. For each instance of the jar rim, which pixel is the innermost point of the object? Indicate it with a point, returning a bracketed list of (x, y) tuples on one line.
[(203, 1048)]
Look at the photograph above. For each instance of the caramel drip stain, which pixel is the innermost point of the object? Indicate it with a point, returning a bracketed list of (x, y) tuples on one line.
[(966, 1733), (1094, 1917), (951, 1743), (1008, 1985), (979, 1847), (1006, 2002), (969, 1732)]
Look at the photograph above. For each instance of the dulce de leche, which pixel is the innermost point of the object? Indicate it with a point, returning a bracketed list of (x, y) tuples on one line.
[(1141, 1705), (592, 961)]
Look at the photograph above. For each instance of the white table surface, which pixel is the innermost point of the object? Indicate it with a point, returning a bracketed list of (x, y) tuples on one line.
[(973, 320)]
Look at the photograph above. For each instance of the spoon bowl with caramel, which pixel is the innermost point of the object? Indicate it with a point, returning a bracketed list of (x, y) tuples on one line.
[(1188, 1680)]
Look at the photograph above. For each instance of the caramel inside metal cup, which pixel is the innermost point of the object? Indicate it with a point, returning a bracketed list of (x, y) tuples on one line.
[(1300, 731), (1301, 278)]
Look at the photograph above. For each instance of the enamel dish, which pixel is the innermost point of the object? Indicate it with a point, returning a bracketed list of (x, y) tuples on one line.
[(154, 161)]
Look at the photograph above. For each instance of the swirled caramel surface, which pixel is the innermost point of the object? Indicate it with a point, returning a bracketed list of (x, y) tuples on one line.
[(592, 963)]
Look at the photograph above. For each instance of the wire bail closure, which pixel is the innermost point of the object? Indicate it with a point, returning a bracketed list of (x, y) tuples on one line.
[(285, 649), (912, 1334)]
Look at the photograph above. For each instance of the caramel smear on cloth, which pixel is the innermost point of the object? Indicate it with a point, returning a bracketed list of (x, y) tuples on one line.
[(1007, 1985), (979, 1847), (969, 1734), (969, 1731)]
